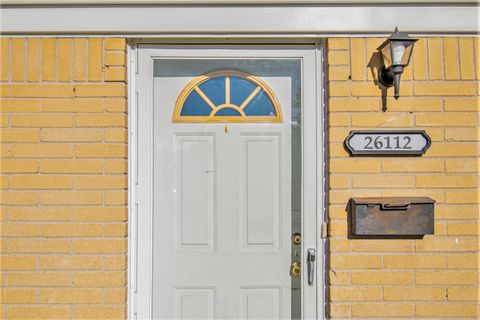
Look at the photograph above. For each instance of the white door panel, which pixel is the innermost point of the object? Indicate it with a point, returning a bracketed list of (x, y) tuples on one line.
[(229, 207), (194, 191), (221, 196), (260, 193), (194, 303)]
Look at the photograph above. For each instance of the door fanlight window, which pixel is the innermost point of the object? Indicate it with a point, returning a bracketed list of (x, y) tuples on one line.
[(227, 96)]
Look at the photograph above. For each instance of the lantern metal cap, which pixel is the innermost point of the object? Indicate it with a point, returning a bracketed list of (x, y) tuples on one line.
[(397, 36)]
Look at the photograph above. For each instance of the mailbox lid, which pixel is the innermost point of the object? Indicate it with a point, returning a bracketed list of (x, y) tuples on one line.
[(393, 200)]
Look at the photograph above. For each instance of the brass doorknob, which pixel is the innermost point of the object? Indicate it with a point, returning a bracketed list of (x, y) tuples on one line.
[(295, 269), (296, 238)]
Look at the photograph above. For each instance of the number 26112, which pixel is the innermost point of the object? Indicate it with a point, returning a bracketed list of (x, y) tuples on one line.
[(388, 142)]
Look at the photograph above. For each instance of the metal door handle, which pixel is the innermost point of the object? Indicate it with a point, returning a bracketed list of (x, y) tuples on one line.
[(310, 265)]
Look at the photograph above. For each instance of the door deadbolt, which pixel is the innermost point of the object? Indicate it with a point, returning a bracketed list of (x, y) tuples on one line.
[(296, 238), (295, 269)]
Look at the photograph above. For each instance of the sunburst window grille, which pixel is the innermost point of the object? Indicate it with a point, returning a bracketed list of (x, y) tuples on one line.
[(227, 96)]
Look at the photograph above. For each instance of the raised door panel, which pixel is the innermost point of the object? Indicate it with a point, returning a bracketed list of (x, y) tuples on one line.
[(195, 192), (260, 192), (194, 303), (260, 303)]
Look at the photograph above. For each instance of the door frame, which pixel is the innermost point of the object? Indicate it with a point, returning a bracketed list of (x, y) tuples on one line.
[(139, 293)]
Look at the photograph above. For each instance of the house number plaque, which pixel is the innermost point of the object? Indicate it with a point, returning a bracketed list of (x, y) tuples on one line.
[(387, 142)]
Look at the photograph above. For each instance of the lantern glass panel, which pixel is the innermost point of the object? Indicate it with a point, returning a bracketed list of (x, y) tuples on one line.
[(398, 51), (387, 56), (407, 54)]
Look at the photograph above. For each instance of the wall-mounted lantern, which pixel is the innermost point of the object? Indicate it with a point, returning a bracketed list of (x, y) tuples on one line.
[(396, 51)]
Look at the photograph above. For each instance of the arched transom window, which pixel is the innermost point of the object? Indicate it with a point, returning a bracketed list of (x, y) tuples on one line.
[(227, 96)]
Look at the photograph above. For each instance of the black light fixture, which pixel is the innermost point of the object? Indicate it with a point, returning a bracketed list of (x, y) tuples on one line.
[(396, 52)]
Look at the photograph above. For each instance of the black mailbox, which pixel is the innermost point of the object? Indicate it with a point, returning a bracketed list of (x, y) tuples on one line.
[(392, 216)]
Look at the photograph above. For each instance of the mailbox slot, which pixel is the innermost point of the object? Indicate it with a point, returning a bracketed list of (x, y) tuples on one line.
[(392, 216)]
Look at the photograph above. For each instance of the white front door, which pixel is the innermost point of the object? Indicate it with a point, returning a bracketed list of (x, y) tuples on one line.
[(224, 184)]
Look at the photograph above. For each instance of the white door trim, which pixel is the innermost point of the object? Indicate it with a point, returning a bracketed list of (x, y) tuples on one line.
[(140, 192)]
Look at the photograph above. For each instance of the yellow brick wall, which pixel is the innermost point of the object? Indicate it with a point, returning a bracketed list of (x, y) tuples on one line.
[(63, 178), (437, 276)]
